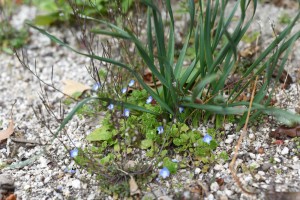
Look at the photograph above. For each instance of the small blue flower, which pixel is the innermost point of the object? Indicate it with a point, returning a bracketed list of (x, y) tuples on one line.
[(181, 109), (160, 129), (207, 138), (149, 100), (164, 173), (126, 112), (175, 160), (110, 107), (131, 83), (124, 90), (74, 153), (96, 86), (71, 171)]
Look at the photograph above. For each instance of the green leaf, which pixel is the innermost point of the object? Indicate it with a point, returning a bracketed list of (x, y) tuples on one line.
[(99, 134), (46, 20), (172, 166), (147, 143), (72, 113)]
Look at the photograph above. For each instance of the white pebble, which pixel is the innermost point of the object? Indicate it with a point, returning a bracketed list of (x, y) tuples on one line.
[(218, 167), (214, 186), (252, 155), (251, 136), (197, 170), (228, 140), (76, 184), (228, 192), (285, 151), (210, 197), (26, 187)]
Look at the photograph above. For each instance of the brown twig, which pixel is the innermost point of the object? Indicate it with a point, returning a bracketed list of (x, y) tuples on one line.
[(21, 140), (232, 163)]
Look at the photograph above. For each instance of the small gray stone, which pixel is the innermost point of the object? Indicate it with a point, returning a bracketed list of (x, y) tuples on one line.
[(214, 187)]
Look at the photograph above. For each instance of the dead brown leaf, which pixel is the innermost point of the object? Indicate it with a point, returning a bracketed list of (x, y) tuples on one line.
[(71, 87), (6, 133), (284, 78), (11, 197), (148, 79), (134, 189), (249, 52), (282, 132)]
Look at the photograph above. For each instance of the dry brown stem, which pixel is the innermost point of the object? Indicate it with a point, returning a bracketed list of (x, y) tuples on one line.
[(232, 163)]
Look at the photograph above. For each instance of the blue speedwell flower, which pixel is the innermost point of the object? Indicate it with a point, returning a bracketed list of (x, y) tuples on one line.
[(110, 107), (126, 112), (207, 138), (149, 100), (164, 172), (124, 90), (181, 109), (160, 129), (74, 153), (96, 86), (131, 83)]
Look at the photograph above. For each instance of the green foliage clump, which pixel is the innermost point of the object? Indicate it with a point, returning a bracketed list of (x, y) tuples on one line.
[(57, 11), (285, 18), (11, 38)]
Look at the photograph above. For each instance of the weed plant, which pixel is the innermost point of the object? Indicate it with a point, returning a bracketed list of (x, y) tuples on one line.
[(10, 37), (60, 11), (155, 118)]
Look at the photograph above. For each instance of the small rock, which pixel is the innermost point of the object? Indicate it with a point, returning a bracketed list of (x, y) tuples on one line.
[(197, 170), (214, 186), (252, 155), (218, 167), (260, 150), (210, 197), (251, 136), (76, 184), (164, 198), (277, 159), (91, 197), (26, 187), (228, 192), (229, 140), (223, 197), (285, 151)]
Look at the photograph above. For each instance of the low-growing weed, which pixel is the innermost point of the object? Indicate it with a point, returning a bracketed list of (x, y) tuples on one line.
[(152, 119)]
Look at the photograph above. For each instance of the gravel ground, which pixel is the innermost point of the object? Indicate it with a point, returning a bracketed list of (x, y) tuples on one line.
[(271, 167)]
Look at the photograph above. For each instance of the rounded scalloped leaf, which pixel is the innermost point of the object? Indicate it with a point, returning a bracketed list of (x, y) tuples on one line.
[(99, 134)]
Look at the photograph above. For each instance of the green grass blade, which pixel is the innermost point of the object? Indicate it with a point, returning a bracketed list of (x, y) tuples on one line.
[(216, 109), (149, 35), (72, 113), (109, 33), (197, 90)]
